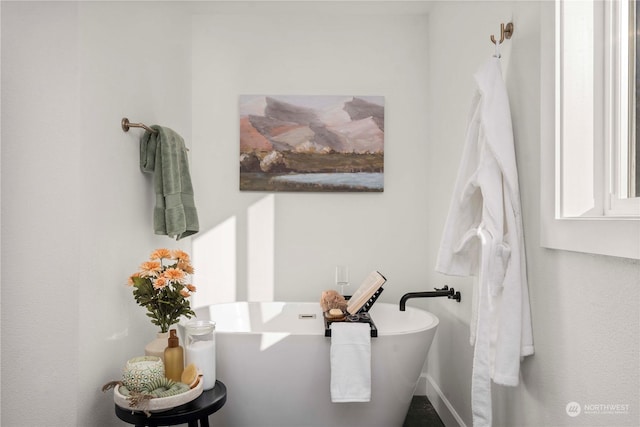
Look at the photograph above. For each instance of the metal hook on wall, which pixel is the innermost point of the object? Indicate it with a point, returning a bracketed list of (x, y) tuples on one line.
[(126, 124), (506, 31)]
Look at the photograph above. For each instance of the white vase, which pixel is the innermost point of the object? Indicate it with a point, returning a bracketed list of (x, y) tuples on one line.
[(157, 346)]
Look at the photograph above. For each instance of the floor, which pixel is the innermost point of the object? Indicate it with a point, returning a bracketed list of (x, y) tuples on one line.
[(422, 414)]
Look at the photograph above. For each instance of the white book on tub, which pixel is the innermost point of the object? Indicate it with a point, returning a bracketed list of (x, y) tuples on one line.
[(365, 291)]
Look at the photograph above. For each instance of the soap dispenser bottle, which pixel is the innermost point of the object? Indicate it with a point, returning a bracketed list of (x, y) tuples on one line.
[(173, 358)]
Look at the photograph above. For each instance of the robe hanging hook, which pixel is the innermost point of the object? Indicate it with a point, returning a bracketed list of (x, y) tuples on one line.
[(506, 31)]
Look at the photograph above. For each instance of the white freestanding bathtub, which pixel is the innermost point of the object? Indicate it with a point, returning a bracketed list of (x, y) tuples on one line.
[(274, 359)]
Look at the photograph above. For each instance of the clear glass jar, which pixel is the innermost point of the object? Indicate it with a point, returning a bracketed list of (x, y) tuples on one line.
[(200, 349)]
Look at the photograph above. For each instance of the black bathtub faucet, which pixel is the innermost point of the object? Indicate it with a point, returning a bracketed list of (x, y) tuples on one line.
[(443, 292)]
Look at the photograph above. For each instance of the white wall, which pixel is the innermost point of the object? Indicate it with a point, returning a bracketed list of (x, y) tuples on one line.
[(285, 49), (585, 308), (76, 211), (40, 243)]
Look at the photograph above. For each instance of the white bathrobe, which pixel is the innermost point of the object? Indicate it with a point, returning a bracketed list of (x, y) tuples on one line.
[(483, 237)]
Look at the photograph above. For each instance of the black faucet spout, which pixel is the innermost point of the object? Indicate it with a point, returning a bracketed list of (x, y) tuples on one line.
[(444, 292)]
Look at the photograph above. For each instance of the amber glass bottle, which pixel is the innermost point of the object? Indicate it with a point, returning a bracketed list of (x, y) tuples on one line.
[(173, 358)]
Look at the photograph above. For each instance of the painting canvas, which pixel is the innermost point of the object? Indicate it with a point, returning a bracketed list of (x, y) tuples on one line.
[(311, 143)]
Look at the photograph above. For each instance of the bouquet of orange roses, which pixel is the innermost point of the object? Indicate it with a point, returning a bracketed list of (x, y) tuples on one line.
[(161, 287)]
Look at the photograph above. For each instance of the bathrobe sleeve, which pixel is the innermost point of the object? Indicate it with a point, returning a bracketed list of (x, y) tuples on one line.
[(458, 248)]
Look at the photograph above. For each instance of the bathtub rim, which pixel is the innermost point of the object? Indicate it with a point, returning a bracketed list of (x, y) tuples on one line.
[(433, 324)]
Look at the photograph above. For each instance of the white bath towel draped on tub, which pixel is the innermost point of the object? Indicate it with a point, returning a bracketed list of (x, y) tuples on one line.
[(483, 237)]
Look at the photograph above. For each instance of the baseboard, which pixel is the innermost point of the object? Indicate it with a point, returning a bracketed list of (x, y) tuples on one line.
[(447, 413), (421, 388)]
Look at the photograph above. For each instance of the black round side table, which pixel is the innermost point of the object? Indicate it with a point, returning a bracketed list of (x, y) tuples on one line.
[(198, 409)]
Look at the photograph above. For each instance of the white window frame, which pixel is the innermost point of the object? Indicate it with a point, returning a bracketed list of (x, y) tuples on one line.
[(618, 129), (607, 228)]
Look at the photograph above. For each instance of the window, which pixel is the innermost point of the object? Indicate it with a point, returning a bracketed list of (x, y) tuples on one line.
[(588, 195)]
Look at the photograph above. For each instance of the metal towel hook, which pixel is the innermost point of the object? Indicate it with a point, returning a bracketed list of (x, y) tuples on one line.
[(506, 31)]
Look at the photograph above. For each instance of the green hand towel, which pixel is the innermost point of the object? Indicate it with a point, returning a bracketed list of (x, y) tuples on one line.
[(165, 156)]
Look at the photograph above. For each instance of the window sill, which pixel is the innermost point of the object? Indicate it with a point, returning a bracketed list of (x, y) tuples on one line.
[(619, 237)]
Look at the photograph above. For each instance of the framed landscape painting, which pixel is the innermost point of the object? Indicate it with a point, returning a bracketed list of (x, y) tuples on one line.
[(311, 143)]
